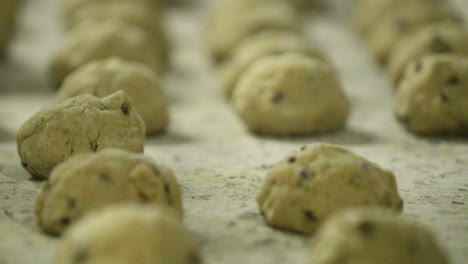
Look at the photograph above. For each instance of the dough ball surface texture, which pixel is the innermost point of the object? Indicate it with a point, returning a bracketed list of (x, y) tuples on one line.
[(89, 182), (432, 98), (8, 14), (97, 41), (77, 125), (290, 94), (374, 236), (141, 84), (394, 27), (128, 234), (261, 45), (238, 24), (444, 38), (304, 189)]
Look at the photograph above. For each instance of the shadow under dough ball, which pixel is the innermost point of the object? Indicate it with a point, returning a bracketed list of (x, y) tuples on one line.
[(140, 83), (308, 186), (432, 98), (128, 234), (92, 41), (77, 125), (374, 236), (90, 182), (290, 94)]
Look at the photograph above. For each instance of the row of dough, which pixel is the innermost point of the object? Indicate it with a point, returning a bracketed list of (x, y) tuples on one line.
[(310, 189), (8, 16), (423, 44), (113, 45), (278, 82)]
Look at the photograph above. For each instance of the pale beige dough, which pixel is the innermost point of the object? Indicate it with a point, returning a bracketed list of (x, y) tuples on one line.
[(368, 236), (411, 17), (77, 125), (260, 45), (101, 78), (290, 94), (444, 38), (8, 14), (432, 98), (128, 234), (233, 23), (305, 188), (134, 13), (89, 182), (101, 40)]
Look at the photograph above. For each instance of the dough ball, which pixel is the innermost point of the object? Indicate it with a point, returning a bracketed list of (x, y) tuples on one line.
[(300, 192), (101, 78), (80, 124), (374, 236), (92, 181), (237, 24), (394, 27), (8, 14), (96, 41), (133, 13), (290, 94), (128, 234), (260, 45), (432, 97), (446, 38)]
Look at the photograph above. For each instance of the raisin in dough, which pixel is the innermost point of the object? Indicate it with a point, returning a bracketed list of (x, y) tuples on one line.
[(374, 236), (263, 44), (444, 38), (432, 97), (92, 181), (96, 41), (290, 94), (229, 30), (78, 125), (101, 78), (128, 234), (308, 186), (392, 28), (133, 13), (8, 14)]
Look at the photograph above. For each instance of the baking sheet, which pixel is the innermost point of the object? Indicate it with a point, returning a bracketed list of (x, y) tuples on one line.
[(218, 163)]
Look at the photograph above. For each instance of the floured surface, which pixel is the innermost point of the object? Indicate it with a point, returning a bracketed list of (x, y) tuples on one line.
[(218, 163)]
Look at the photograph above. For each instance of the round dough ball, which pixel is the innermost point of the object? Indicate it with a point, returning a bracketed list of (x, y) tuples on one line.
[(96, 41), (92, 181), (392, 28), (290, 94), (8, 14), (261, 45), (374, 236), (446, 38), (432, 97), (101, 78), (80, 124), (128, 234), (300, 192), (238, 24), (133, 13)]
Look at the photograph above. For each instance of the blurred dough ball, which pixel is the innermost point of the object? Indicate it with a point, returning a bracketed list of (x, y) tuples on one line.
[(432, 98), (97, 41), (446, 38), (261, 45), (129, 234), (8, 15), (141, 84), (290, 94), (232, 23), (374, 236)]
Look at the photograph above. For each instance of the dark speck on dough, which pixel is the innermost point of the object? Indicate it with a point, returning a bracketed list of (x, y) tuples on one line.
[(81, 255), (366, 227), (72, 203), (104, 177), (444, 96), (93, 145), (454, 80), (303, 148), (124, 108), (418, 66), (439, 46), (310, 215), (277, 98), (65, 221), (292, 160)]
